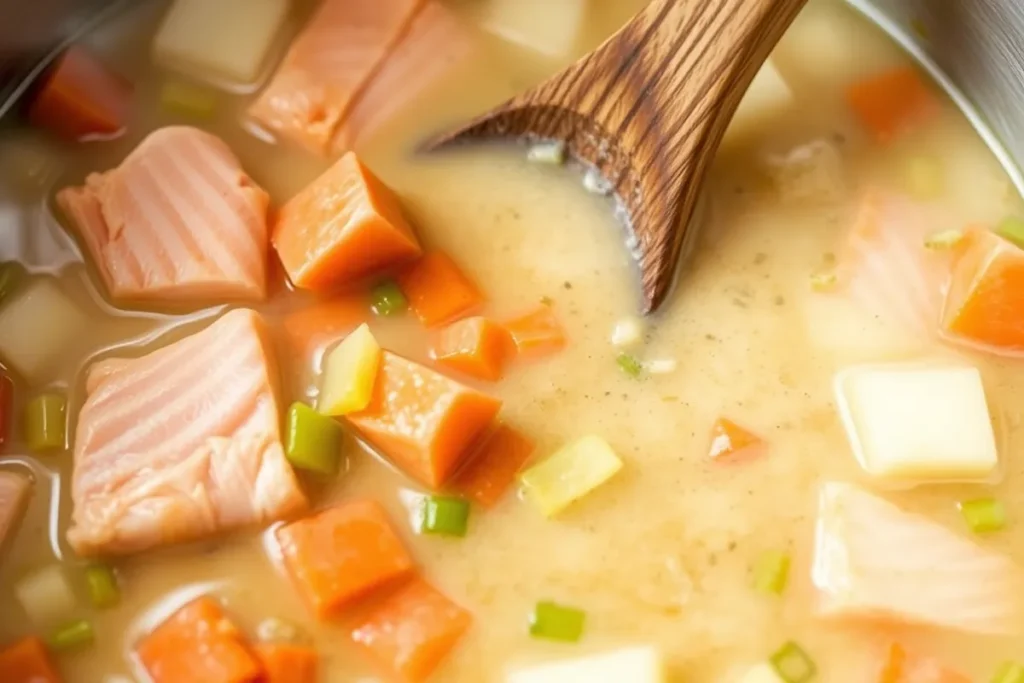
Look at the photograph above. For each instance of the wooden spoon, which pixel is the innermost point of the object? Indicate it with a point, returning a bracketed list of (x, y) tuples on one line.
[(648, 109)]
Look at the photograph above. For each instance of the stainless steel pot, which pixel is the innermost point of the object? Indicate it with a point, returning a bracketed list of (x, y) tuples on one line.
[(974, 48)]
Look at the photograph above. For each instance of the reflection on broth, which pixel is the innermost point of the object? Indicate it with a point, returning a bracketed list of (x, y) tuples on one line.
[(855, 226)]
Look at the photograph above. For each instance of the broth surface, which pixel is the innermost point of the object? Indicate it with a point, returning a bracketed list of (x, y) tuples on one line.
[(662, 553)]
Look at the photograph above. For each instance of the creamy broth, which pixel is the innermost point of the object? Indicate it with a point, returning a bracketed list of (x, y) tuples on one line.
[(662, 554)]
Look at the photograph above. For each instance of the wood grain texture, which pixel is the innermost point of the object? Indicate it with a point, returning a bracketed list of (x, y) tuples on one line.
[(648, 109)]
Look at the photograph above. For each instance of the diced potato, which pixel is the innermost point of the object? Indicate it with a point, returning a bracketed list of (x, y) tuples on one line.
[(46, 596), (350, 371), (219, 40), (641, 664), (810, 173), (569, 474), (39, 324), (551, 28), (768, 97), (918, 423), (762, 673), (628, 332)]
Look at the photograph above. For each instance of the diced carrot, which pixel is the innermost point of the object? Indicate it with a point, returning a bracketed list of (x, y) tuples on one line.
[(198, 643), (423, 421), (342, 554), (890, 103), (476, 346), (413, 630), (729, 439), (903, 667), (287, 663), (27, 661), (438, 291), (985, 301), (325, 321), (81, 98), (343, 226), (494, 467), (538, 333)]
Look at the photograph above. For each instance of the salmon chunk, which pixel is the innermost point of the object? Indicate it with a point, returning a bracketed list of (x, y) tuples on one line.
[(875, 561), (178, 220), (14, 492), (181, 443), (327, 67)]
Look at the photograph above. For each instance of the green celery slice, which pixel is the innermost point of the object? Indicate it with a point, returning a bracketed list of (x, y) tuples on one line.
[(312, 441), (629, 364), (386, 299), (556, 622), (102, 583), (983, 515), (446, 516), (1012, 229), (46, 422), (1009, 672), (771, 572), (72, 635), (792, 664)]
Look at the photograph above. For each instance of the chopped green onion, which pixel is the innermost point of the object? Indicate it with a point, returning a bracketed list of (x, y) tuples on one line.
[(547, 153), (945, 239), (191, 100), (1012, 229), (387, 299), (445, 516), (11, 276), (824, 280), (771, 572), (983, 514), (629, 364), (923, 177), (792, 664), (1009, 672), (556, 622), (45, 422), (102, 583), (71, 636), (312, 441)]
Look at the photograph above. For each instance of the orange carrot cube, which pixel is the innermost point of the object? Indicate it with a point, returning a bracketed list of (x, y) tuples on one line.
[(344, 226), (893, 102), (423, 421), (287, 663), (729, 439), (477, 347), (198, 643), (412, 631), (494, 467), (538, 333), (438, 291), (985, 302), (27, 661), (342, 554)]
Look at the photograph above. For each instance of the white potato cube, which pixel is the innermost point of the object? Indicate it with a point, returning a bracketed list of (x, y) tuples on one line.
[(37, 326), (551, 28), (641, 664), (219, 39), (628, 332), (46, 596), (768, 97), (918, 423), (810, 173), (762, 673)]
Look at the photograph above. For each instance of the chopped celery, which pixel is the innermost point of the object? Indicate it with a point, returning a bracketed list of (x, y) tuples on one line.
[(771, 572), (387, 299), (312, 441), (45, 596), (445, 516), (1012, 229), (12, 274), (102, 583), (350, 371), (191, 100), (45, 422), (792, 664), (629, 365), (556, 622), (571, 473), (983, 515), (1009, 672), (547, 153), (923, 177), (71, 635), (944, 239)]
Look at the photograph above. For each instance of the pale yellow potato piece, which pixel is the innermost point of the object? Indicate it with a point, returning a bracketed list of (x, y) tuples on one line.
[(350, 371), (219, 39), (571, 473), (640, 664)]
